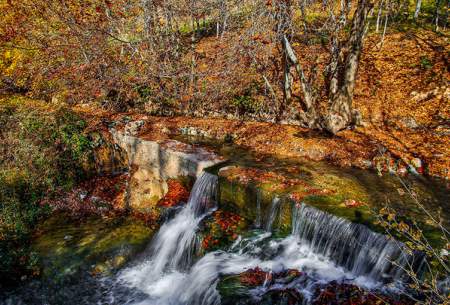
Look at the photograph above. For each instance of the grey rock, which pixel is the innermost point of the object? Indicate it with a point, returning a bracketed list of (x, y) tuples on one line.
[(132, 128)]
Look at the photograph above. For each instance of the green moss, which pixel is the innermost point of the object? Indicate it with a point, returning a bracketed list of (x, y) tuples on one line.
[(45, 149), (346, 186), (242, 199), (237, 197), (231, 289), (97, 245)]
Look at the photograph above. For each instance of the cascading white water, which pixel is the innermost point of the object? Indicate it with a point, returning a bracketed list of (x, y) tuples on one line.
[(351, 245), (323, 246), (174, 245)]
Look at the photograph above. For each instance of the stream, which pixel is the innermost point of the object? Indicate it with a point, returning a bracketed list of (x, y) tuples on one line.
[(173, 270), (325, 247)]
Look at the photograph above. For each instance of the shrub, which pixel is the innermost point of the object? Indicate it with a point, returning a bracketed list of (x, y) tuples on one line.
[(430, 283), (42, 150)]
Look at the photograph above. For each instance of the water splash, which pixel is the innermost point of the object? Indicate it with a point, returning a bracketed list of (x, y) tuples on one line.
[(174, 245), (326, 248), (351, 245)]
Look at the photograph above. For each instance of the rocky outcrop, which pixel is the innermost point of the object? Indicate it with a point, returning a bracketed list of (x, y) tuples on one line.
[(152, 163)]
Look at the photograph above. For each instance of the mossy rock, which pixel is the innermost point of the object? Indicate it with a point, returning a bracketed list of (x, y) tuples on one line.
[(67, 247), (108, 158), (232, 291), (242, 199)]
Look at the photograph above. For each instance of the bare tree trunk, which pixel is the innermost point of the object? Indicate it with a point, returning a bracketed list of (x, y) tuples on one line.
[(340, 114), (270, 88), (309, 98), (436, 15), (384, 31), (286, 82), (331, 72), (380, 9), (223, 18), (446, 16), (417, 11)]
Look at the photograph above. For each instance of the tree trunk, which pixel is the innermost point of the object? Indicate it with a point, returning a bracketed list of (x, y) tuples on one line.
[(380, 9), (286, 78), (340, 113), (417, 11), (309, 99), (436, 15)]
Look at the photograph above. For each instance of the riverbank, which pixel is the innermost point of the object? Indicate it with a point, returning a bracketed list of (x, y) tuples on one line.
[(363, 147)]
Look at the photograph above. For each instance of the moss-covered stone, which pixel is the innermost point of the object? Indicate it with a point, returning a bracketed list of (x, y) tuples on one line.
[(353, 195), (231, 290), (66, 247), (108, 158)]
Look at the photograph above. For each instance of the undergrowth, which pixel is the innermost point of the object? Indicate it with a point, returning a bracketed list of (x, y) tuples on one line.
[(42, 149)]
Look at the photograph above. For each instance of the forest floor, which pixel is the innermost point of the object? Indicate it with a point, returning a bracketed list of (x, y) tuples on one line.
[(402, 93), (362, 147)]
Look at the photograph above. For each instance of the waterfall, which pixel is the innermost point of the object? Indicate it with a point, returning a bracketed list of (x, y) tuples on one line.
[(174, 245), (325, 247), (274, 209), (203, 196), (353, 246)]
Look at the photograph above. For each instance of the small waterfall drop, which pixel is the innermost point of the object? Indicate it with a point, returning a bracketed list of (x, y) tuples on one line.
[(353, 246), (325, 247), (274, 209), (174, 245)]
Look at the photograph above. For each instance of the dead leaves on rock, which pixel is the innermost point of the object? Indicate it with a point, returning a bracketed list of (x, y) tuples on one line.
[(177, 193)]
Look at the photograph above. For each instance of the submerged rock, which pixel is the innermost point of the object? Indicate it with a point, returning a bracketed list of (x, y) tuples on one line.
[(343, 294), (255, 286), (67, 247)]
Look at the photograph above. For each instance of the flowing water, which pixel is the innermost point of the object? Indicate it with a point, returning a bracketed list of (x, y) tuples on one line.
[(326, 248), (353, 246), (274, 210)]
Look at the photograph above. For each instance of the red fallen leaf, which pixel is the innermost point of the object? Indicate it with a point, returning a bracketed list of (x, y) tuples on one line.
[(298, 197), (253, 277), (351, 203), (176, 194)]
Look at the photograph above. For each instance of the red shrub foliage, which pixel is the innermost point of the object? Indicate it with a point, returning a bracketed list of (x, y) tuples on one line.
[(97, 196), (222, 229)]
